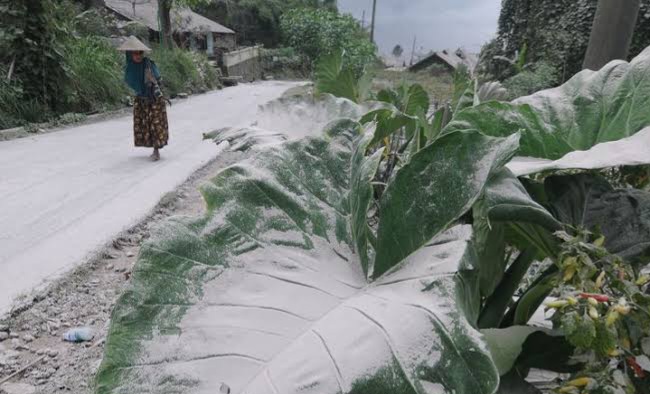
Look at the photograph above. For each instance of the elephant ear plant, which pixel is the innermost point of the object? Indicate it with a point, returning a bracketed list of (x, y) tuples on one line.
[(278, 289), (404, 251)]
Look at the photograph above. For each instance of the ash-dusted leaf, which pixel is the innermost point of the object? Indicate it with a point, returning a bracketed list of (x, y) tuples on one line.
[(592, 107), (416, 99), (505, 201), (361, 194), (332, 78), (438, 185), (408, 99), (389, 120), (265, 294), (589, 201), (506, 344), (630, 151), (508, 201)]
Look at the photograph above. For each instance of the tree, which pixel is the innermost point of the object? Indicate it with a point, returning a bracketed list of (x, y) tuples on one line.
[(164, 13), (612, 31), (398, 51), (319, 32), (258, 21)]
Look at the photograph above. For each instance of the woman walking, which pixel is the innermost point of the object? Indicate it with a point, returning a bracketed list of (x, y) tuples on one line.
[(150, 126)]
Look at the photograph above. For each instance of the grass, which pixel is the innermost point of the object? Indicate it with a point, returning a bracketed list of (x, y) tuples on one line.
[(97, 73), (440, 88), (184, 72)]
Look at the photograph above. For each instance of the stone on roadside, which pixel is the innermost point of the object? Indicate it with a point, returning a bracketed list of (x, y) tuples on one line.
[(3, 336), (17, 388), (4, 328)]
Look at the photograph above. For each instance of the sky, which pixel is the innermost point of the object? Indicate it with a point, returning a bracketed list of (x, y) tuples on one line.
[(438, 24)]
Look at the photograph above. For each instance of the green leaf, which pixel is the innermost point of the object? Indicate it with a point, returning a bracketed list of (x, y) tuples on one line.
[(505, 345), (388, 121), (496, 305), (531, 300), (332, 78), (415, 100), (580, 330), (508, 201), (361, 196), (467, 99), (591, 108), (622, 216), (548, 350), (439, 184), (505, 201), (437, 124), (389, 96), (462, 81), (265, 294)]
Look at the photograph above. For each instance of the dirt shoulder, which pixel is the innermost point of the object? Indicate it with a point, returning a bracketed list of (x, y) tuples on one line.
[(51, 127), (33, 332)]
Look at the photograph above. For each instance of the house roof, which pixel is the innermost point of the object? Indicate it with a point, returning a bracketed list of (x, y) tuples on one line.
[(183, 19), (453, 58)]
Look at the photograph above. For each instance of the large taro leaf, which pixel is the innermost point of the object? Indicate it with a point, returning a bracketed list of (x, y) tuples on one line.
[(589, 201), (436, 187), (630, 151), (592, 107), (265, 295)]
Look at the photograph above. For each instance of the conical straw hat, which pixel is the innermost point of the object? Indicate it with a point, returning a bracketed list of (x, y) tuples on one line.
[(132, 44)]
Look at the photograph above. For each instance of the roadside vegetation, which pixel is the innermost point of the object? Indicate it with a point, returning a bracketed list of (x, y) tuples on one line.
[(538, 234), (401, 183), (57, 60)]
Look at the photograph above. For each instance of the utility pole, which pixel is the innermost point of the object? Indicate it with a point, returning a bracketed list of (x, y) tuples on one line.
[(413, 50), (612, 32), (372, 26), (363, 20)]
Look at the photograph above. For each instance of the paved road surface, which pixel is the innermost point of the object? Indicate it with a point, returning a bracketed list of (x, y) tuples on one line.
[(64, 194)]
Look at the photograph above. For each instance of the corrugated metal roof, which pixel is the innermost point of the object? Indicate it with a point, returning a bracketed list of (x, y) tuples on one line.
[(183, 19)]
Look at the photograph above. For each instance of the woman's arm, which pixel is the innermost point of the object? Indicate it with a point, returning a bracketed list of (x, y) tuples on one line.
[(156, 72)]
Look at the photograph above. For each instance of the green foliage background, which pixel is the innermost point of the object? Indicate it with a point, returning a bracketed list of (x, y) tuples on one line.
[(65, 63), (319, 32), (556, 31), (257, 21)]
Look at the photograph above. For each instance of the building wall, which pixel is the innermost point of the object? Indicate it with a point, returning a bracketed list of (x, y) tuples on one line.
[(245, 62)]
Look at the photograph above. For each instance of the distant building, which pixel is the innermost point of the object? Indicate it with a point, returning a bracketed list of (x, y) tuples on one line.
[(446, 61), (190, 29)]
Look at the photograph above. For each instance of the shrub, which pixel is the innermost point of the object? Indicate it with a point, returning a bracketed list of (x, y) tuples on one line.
[(543, 76), (15, 108), (209, 78), (136, 29), (319, 32), (183, 71), (97, 75), (285, 63), (95, 22)]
